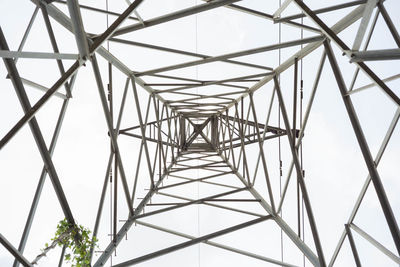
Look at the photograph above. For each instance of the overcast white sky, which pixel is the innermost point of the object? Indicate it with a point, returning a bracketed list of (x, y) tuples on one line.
[(334, 168)]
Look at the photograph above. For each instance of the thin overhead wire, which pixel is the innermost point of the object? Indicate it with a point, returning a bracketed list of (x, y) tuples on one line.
[(279, 126), (301, 143)]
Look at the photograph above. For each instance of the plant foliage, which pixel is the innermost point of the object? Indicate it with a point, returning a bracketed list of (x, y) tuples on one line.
[(77, 241)]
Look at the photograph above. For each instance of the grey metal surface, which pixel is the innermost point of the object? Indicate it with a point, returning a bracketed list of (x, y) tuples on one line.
[(186, 126)]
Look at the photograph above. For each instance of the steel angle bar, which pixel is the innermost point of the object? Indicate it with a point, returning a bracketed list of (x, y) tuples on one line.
[(233, 200), (169, 136), (196, 158), (36, 132), (362, 28), (208, 161), (389, 23), (41, 87), (136, 13), (111, 130), (159, 125), (338, 27), (204, 168), (202, 180), (371, 165), (193, 180), (54, 44), (18, 256), (377, 159), (186, 100), (184, 93), (255, 141), (375, 243), (60, 262), (140, 152), (359, 89), (241, 134), (101, 202), (122, 106), (114, 195), (77, 25), (200, 132), (265, 127), (300, 178), (200, 166), (248, 136), (176, 138), (148, 123), (264, 162), (170, 77), (192, 242), (109, 165), (113, 28), (213, 205), (199, 105), (148, 139), (374, 55), (194, 110), (322, 10), (30, 113), (27, 31), (175, 15), (172, 84), (304, 124), (142, 128), (102, 260), (264, 132), (235, 54), (197, 114), (352, 245), (382, 10), (207, 83), (196, 132), (35, 201), (279, 221), (164, 204), (124, 69), (95, 9), (281, 8), (94, 45), (223, 132), (197, 81), (365, 46), (182, 52), (334, 37), (214, 244), (36, 55), (269, 17)]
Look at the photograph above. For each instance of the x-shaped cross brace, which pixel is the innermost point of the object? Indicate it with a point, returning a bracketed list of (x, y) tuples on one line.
[(197, 130)]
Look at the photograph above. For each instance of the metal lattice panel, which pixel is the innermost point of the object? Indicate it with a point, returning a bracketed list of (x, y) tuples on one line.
[(228, 136)]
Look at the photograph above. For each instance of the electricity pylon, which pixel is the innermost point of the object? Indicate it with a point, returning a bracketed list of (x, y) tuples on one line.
[(182, 126)]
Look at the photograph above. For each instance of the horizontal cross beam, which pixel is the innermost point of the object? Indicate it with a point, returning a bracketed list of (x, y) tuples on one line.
[(192, 242)]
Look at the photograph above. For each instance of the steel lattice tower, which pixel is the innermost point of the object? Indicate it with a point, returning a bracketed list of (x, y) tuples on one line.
[(202, 146)]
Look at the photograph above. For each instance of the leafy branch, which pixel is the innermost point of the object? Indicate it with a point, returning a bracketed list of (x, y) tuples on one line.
[(76, 238)]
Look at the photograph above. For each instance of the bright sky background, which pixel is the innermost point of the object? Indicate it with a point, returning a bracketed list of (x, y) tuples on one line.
[(334, 167)]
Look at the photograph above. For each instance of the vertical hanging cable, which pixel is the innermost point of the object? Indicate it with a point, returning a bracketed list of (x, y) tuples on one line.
[(279, 137), (197, 170), (108, 42), (111, 177), (294, 142), (301, 143)]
